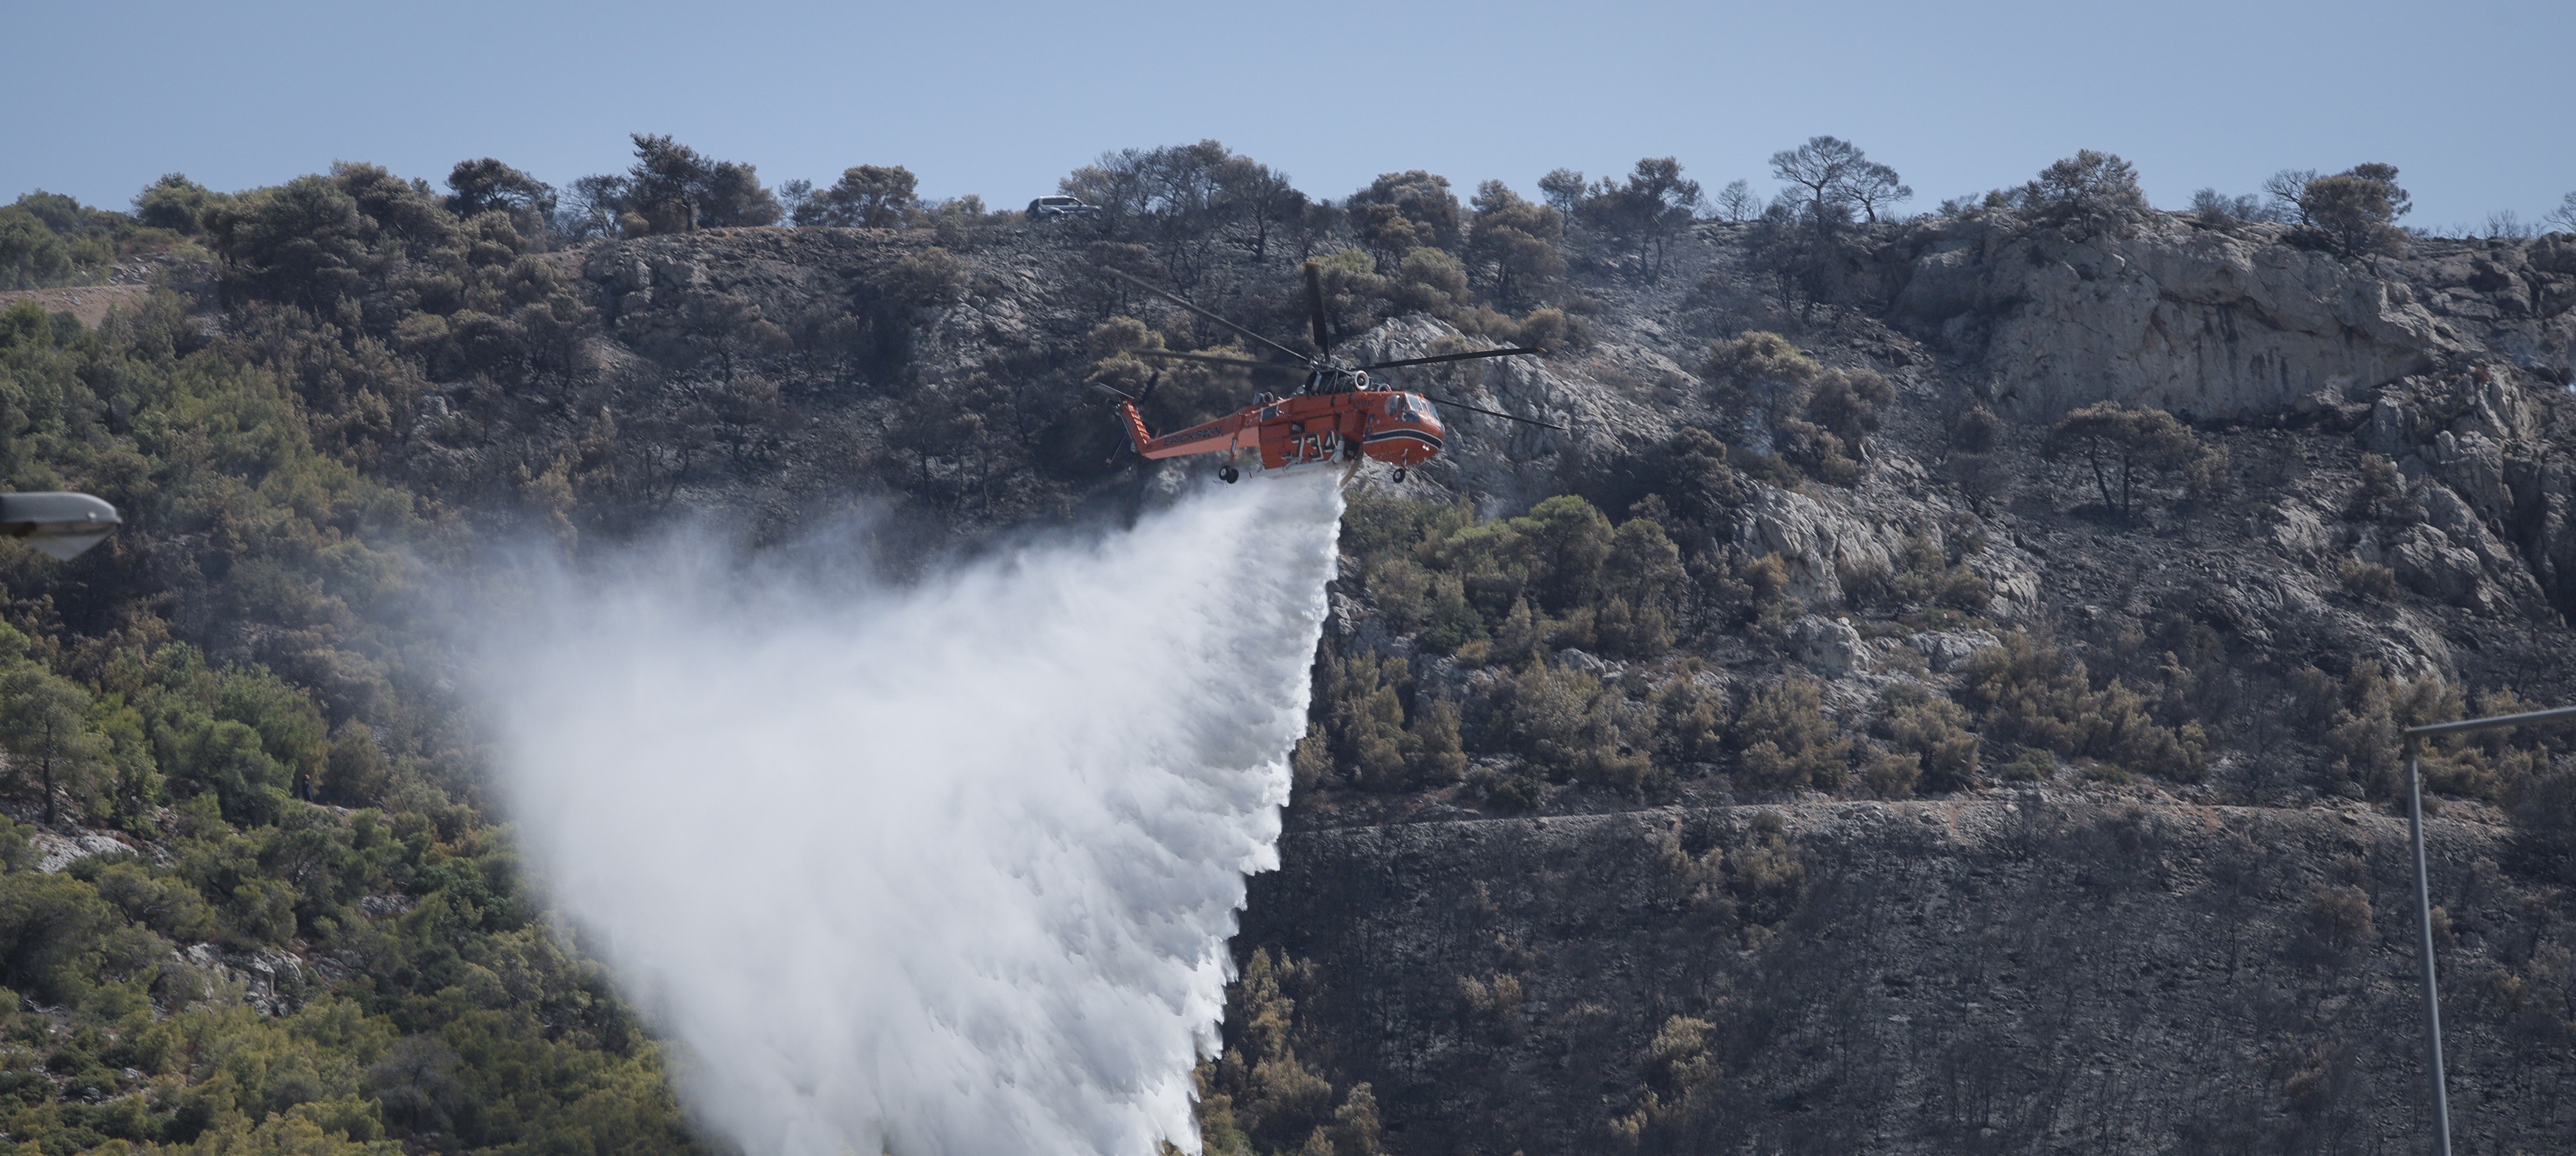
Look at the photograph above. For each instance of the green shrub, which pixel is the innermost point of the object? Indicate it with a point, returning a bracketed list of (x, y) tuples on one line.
[(1923, 575), (1784, 741), (1642, 580), (2369, 581), (1513, 790), (2028, 692), (1438, 757), (1261, 1093), (54, 935), (356, 771), (1690, 719), (177, 204), (1891, 774), (17, 851), (2030, 766), (1935, 730), (1568, 726), (228, 760), (1757, 368), (2381, 494), (1399, 591), (1449, 622), (2362, 735), (167, 904), (1692, 490), (1560, 576), (48, 727), (1310, 762), (1367, 734), (2121, 447), (1677, 1059), (1820, 418), (1931, 577), (30, 253)]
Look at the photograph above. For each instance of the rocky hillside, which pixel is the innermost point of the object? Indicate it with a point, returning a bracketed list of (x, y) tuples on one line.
[(2126, 951), (1938, 692), (2194, 942)]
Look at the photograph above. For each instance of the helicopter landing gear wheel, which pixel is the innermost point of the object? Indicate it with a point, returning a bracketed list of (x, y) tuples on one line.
[(1399, 473), (1228, 475)]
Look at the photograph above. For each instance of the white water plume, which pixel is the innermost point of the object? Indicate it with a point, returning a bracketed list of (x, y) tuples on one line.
[(941, 871)]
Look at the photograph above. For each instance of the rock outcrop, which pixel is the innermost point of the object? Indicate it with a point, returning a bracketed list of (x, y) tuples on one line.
[(2164, 314), (1817, 542)]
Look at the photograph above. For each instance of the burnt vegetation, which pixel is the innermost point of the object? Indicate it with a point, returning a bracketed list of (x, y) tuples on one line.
[(1813, 555)]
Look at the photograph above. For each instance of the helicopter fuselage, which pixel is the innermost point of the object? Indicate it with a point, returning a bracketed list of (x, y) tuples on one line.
[(1391, 426)]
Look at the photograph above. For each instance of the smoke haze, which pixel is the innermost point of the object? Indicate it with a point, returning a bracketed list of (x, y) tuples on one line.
[(941, 870)]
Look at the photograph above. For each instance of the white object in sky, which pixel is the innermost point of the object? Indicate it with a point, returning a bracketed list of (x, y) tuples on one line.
[(59, 524)]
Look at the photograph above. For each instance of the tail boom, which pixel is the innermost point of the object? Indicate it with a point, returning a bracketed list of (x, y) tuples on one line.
[(1213, 437)]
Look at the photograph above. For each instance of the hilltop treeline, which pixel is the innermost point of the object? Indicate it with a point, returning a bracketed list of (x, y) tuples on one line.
[(441, 335)]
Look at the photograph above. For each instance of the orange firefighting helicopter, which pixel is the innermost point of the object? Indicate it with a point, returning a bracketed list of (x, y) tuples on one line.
[(1338, 413)]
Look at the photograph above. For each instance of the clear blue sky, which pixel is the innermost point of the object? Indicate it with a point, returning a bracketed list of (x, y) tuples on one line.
[(2474, 101)]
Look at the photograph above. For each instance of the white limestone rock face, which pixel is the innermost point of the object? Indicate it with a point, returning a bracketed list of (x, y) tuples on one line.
[(1946, 650), (2298, 532), (2429, 562), (2165, 314), (1818, 542), (1828, 645), (56, 852)]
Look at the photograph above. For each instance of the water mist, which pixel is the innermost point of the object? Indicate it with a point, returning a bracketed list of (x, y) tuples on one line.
[(944, 870)]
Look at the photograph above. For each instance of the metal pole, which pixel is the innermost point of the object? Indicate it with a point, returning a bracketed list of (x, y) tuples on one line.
[(2415, 737), (2424, 945)]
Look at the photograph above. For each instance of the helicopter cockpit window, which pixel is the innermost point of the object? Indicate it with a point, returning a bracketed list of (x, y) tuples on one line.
[(1423, 410)]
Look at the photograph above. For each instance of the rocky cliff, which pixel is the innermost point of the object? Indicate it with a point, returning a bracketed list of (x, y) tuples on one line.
[(2210, 323)]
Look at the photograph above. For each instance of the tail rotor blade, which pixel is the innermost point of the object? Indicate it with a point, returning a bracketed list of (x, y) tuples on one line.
[(1315, 308)]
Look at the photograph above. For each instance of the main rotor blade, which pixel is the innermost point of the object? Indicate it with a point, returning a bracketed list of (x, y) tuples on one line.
[(1185, 303), (1315, 308), (1451, 403), (1212, 359), (1531, 351)]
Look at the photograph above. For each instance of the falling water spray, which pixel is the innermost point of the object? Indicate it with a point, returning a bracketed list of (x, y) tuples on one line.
[(943, 870)]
